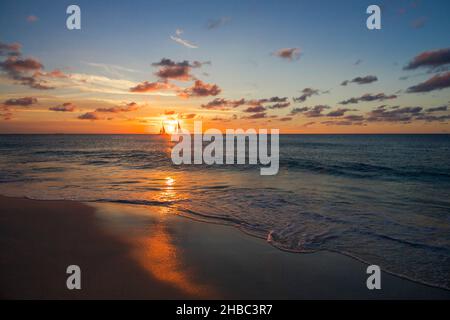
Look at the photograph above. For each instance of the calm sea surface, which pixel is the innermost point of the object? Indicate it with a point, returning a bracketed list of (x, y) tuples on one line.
[(384, 199)]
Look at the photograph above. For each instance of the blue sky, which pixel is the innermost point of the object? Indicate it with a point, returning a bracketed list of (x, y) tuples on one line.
[(331, 36)]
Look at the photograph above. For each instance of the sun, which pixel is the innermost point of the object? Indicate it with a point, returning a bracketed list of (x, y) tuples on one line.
[(170, 125)]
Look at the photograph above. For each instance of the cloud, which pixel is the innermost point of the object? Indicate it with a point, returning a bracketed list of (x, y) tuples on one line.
[(182, 41), (276, 99), (279, 105), (286, 119), (152, 86), (23, 102), (339, 112), (169, 113), (255, 109), (26, 71), (65, 107), (369, 97), (430, 59), (169, 69), (316, 111), (260, 115), (308, 124), (32, 18), (296, 111), (89, 116), (360, 80), (393, 114), (223, 104), (354, 117), (437, 82), (200, 89), (12, 49), (357, 62), (112, 69), (437, 109), (307, 92), (288, 53), (132, 106), (217, 23)]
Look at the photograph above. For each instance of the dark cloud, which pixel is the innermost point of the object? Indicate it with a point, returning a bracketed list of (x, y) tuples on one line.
[(26, 72), (430, 59), (296, 111), (65, 107), (307, 92), (437, 109), (286, 119), (89, 116), (275, 99), (288, 53), (255, 109), (316, 111), (260, 115), (217, 23), (393, 114), (279, 105), (369, 97), (437, 82), (169, 69), (354, 117), (433, 118), (12, 49), (200, 89), (339, 112), (360, 80), (221, 104), (129, 107), (23, 102)]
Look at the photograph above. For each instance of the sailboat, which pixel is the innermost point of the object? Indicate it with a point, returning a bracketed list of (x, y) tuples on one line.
[(162, 131)]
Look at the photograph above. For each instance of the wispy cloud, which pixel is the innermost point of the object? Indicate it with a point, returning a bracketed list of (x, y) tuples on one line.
[(112, 69), (182, 41)]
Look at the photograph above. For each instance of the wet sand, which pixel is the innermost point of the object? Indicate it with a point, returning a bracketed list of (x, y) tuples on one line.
[(129, 252)]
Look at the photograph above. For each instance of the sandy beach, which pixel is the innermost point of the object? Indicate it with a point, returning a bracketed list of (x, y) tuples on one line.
[(128, 252)]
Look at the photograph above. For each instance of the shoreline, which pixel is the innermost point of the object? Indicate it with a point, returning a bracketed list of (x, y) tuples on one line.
[(129, 251)]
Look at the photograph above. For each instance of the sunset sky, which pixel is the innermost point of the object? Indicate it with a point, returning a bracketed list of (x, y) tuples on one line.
[(300, 66)]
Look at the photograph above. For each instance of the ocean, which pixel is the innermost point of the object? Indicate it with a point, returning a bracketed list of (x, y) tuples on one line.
[(382, 199)]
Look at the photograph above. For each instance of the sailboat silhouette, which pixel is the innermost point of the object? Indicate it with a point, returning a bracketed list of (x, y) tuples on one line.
[(162, 130)]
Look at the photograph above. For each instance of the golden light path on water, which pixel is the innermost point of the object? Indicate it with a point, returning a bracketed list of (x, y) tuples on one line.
[(153, 242)]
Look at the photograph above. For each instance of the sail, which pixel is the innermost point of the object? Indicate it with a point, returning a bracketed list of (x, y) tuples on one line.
[(162, 130)]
